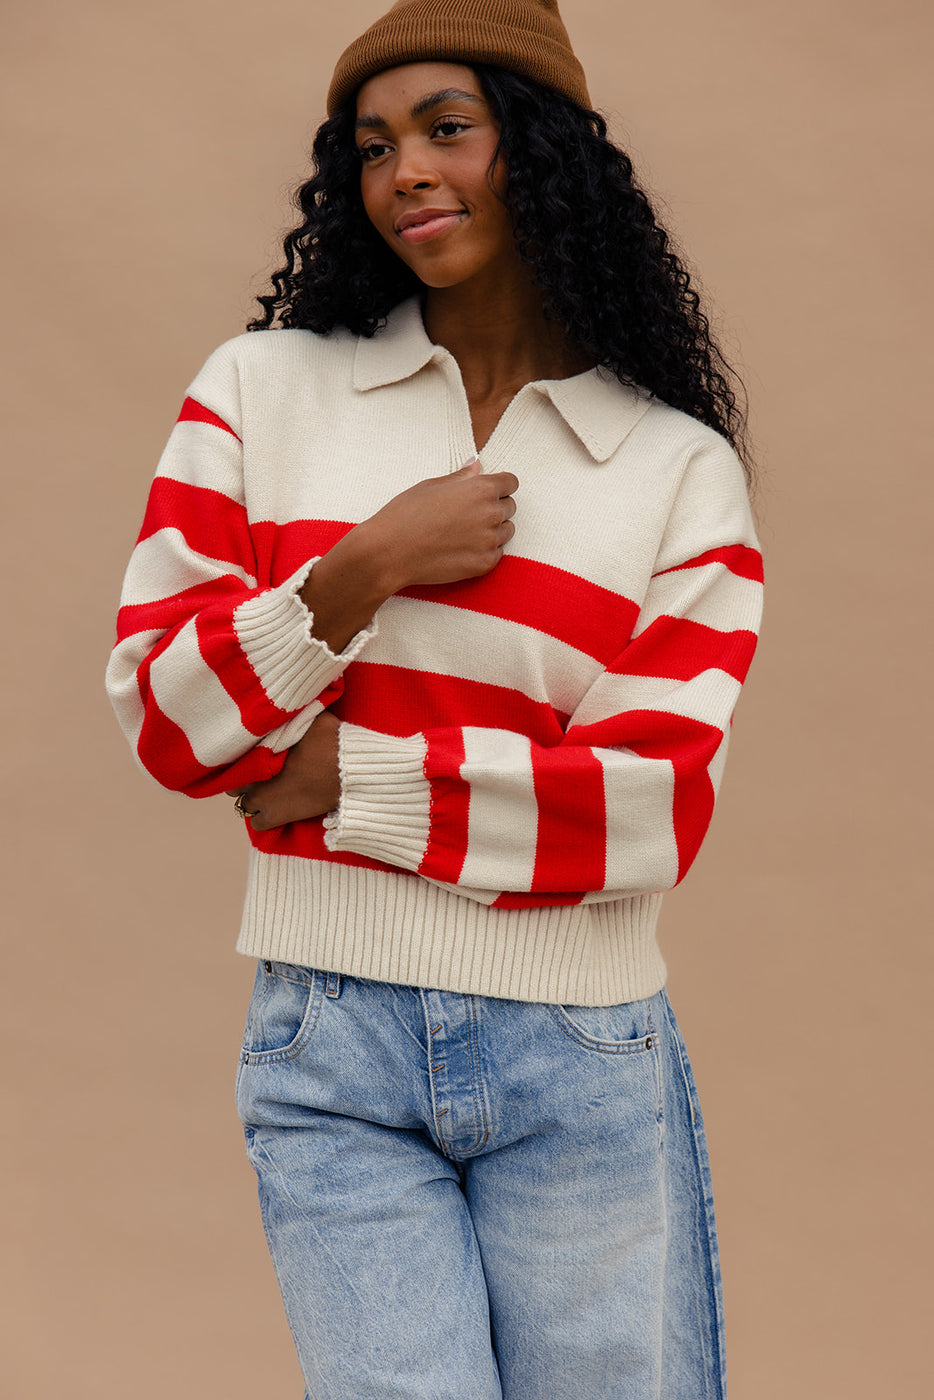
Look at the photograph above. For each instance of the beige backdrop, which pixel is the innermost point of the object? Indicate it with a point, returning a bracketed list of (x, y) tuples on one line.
[(152, 147)]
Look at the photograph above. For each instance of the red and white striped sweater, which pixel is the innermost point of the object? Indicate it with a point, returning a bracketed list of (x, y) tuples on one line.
[(528, 758)]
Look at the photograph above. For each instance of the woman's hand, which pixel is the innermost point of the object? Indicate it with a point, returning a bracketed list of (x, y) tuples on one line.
[(438, 531), (308, 784), (445, 528)]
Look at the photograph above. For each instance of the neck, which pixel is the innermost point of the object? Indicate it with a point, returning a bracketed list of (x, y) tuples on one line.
[(500, 337)]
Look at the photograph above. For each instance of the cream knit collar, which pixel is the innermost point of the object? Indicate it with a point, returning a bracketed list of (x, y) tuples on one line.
[(599, 410)]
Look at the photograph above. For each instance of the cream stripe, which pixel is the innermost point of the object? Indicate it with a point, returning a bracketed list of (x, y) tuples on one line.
[(640, 847), (188, 692), (490, 650), (165, 556), (613, 694), (294, 729), (201, 455), (122, 685), (503, 820), (710, 595), (709, 697), (718, 762)]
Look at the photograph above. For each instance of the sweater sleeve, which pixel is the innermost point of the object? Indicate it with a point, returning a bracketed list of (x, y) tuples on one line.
[(213, 676), (621, 804)]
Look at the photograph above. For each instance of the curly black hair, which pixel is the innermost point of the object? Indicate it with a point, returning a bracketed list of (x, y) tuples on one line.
[(605, 266)]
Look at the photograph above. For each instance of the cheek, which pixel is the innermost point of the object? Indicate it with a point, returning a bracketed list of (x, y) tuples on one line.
[(369, 205), (374, 196)]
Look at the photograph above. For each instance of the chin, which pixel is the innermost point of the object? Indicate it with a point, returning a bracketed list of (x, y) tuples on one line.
[(437, 283), (443, 277)]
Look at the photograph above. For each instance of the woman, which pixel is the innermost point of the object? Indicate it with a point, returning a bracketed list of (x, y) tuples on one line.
[(452, 583)]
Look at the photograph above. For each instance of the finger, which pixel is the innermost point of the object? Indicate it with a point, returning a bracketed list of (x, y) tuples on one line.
[(506, 532), (242, 810), (508, 506), (473, 468), (505, 482), (257, 816)]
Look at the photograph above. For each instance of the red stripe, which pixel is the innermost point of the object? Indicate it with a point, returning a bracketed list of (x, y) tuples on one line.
[(689, 746), (570, 850), (397, 700), (164, 748), (536, 901), (211, 523), (593, 619), (669, 732), (220, 649), (738, 558), (560, 604), (691, 811), (678, 649), (306, 840), (585, 615), (281, 549), (195, 412), (165, 752), (450, 806), (165, 613)]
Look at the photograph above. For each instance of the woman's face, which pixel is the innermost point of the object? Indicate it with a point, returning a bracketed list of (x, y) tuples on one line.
[(427, 140)]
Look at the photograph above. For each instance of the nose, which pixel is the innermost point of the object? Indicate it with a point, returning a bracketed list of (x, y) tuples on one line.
[(414, 170)]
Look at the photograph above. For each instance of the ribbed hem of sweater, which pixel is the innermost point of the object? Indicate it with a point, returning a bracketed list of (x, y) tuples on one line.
[(401, 928)]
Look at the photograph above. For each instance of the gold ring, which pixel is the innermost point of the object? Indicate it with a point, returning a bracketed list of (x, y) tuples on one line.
[(241, 810)]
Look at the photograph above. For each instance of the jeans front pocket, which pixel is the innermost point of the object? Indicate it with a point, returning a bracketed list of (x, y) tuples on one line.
[(625, 1029), (283, 1012)]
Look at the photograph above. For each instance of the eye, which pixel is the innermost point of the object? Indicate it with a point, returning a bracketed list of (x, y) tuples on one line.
[(373, 150), (449, 126)]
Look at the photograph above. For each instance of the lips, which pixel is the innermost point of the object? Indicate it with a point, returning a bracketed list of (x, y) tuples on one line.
[(420, 225)]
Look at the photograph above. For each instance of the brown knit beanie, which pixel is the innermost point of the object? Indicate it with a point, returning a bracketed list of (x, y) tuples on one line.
[(523, 36)]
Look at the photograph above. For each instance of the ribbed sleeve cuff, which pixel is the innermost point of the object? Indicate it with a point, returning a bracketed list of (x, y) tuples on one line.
[(274, 630), (385, 806)]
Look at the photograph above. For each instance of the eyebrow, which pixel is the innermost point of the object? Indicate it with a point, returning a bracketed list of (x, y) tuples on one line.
[(423, 105)]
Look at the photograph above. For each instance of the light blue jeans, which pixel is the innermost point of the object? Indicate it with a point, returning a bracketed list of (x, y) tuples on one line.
[(468, 1198)]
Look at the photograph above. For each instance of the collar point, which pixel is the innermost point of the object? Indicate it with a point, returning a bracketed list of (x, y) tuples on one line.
[(396, 351)]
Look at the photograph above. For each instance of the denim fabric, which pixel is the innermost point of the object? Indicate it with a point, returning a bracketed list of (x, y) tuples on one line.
[(469, 1198)]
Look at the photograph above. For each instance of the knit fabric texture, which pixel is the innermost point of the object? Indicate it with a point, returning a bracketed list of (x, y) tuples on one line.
[(522, 36), (527, 758)]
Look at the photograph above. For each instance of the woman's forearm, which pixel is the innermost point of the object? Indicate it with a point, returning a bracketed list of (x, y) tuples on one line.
[(345, 588)]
